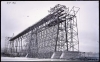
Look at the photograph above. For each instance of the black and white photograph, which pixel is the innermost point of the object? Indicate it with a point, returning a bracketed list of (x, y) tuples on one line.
[(50, 31)]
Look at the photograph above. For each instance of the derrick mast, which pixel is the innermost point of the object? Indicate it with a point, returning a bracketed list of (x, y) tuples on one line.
[(67, 31)]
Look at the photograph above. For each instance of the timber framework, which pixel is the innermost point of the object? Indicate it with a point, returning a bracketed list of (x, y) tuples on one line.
[(57, 32)]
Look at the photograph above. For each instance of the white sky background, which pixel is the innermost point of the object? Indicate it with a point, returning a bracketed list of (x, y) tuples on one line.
[(14, 19)]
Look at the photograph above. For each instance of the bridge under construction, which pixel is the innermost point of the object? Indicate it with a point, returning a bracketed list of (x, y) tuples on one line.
[(55, 36)]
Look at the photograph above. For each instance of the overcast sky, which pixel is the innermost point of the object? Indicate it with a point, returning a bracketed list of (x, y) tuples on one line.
[(17, 16)]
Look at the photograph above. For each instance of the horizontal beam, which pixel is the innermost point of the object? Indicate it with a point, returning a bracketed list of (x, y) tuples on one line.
[(45, 19)]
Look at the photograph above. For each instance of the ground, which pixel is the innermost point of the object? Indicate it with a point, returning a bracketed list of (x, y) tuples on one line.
[(27, 59)]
